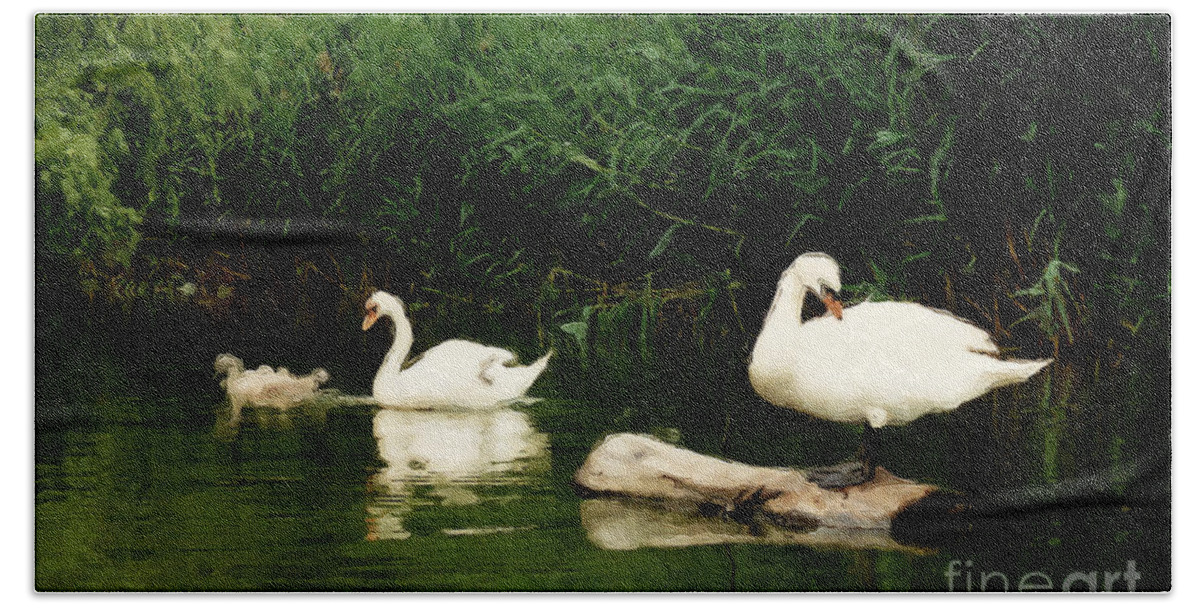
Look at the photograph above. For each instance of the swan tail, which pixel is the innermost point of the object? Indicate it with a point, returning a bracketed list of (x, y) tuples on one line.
[(529, 374), (319, 376), (1016, 371), (537, 367)]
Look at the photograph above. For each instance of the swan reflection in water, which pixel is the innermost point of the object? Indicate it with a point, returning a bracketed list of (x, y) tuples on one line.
[(452, 454)]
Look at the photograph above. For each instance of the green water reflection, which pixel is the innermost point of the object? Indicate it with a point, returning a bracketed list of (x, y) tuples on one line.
[(349, 497)]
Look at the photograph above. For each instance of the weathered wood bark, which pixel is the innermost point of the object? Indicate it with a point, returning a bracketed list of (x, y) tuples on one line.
[(644, 467)]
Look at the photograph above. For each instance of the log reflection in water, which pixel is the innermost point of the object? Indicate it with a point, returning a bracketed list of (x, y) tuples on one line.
[(625, 524)]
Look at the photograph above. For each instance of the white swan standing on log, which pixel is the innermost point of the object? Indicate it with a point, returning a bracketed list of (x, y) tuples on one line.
[(456, 374), (878, 363)]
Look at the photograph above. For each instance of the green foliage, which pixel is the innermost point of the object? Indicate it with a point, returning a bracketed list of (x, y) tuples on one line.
[(126, 124), (1053, 301), (579, 331), (86, 218), (486, 150)]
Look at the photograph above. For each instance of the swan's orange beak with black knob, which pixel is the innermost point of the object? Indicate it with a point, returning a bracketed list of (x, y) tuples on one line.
[(832, 304), (371, 317)]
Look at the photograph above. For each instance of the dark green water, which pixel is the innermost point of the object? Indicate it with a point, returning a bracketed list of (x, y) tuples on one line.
[(347, 497)]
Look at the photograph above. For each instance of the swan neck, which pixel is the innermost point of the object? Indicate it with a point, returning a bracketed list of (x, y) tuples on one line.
[(401, 343), (785, 308)]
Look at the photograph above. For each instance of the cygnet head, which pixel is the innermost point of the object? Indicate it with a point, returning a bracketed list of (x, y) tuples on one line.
[(381, 304), (227, 363), (819, 273), (320, 375)]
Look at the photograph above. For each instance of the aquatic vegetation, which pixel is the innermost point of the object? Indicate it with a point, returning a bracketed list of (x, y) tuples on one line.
[(1054, 303)]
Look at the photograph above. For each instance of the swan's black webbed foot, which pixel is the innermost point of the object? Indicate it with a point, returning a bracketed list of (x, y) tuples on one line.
[(843, 475)]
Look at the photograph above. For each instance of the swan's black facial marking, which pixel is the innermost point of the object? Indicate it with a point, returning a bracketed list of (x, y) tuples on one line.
[(811, 308), (813, 305)]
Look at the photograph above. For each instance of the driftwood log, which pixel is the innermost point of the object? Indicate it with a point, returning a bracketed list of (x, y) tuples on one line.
[(652, 494), (643, 467)]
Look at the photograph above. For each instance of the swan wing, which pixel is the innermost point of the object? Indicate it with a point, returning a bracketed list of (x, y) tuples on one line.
[(455, 365), (971, 337), (411, 362), (902, 357), (922, 327), (487, 369), (458, 374), (460, 352)]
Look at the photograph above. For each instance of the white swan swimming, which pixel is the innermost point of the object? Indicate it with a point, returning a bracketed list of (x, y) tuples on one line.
[(879, 363), (456, 374)]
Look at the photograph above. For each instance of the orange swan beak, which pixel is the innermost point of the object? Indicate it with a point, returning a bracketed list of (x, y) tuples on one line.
[(832, 304)]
